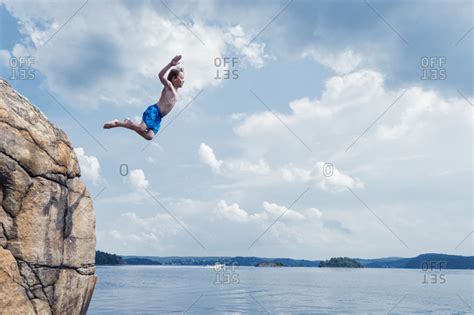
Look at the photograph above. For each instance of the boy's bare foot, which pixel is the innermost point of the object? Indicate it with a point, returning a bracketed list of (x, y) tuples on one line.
[(111, 124)]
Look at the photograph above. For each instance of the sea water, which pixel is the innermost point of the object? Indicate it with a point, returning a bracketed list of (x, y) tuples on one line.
[(251, 290)]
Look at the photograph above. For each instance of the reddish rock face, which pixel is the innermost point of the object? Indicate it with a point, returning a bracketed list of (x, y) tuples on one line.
[(47, 222)]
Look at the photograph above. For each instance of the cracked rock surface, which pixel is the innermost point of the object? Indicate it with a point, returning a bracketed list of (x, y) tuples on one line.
[(47, 222)]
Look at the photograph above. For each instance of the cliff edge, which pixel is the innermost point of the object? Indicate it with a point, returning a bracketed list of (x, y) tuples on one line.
[(47, 222)]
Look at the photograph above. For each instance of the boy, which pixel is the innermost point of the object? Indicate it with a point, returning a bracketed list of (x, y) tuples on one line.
[(151, 118)]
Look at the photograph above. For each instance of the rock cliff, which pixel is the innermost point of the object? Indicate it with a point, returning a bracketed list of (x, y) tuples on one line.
[(47, 222)]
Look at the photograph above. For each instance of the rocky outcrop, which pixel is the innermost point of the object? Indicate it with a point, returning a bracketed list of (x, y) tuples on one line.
[(47, 222)]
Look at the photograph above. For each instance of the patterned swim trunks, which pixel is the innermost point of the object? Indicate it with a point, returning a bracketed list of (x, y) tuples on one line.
[(152, 118)]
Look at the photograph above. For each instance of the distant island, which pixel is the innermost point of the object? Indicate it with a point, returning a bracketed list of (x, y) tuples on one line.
[(340, 262), (269, 264), (103, 258), (418, 262), (229, 261), (141, 261)]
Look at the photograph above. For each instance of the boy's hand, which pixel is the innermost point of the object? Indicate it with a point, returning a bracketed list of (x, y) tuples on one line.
[(175, 60)]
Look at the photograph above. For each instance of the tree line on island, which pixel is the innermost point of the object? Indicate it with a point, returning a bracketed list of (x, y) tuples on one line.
[(103, 258), (446, 261), (341, 262)]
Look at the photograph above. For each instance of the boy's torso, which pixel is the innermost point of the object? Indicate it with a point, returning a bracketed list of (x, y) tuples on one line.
[(167, 100)]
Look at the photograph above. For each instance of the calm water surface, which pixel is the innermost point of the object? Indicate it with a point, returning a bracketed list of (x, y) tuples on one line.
[(203, 290)]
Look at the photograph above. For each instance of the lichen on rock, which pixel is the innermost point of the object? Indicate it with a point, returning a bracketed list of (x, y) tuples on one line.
[(47, 222)]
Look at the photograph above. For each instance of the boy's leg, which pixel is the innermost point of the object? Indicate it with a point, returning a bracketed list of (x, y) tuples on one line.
[(127, 123), (142, 125), (141, 129), (147, 134), (150, 134), (112, 124)]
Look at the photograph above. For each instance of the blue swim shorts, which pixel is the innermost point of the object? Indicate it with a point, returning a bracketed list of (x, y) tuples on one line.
[(152, 118)]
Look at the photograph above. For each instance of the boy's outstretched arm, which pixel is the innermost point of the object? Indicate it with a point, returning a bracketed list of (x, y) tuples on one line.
[(173, 62)]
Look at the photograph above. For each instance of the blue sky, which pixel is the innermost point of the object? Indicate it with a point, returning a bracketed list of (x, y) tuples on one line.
[(329, 114)]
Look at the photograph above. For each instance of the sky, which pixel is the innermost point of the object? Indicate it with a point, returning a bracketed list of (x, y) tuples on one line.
[(304, 129)]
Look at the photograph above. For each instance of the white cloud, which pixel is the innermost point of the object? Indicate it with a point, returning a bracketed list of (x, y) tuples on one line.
[(421, 109), (341, 62), (240, 165), (231, 167), (138, 179), (311, 109), (237, 116), (117, 60), (325, 175), (276, 210), (294, 174), (314, 213), (363, 88), (207, 156), (348, 105), (271, 211), (332, 177), (360, 90), (231, 212), (115, 234), (90, 166), (255, 52), (153, 232), (281, 234)]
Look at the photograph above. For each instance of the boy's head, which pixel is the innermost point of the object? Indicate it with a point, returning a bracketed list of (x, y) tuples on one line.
[(176, 77)]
